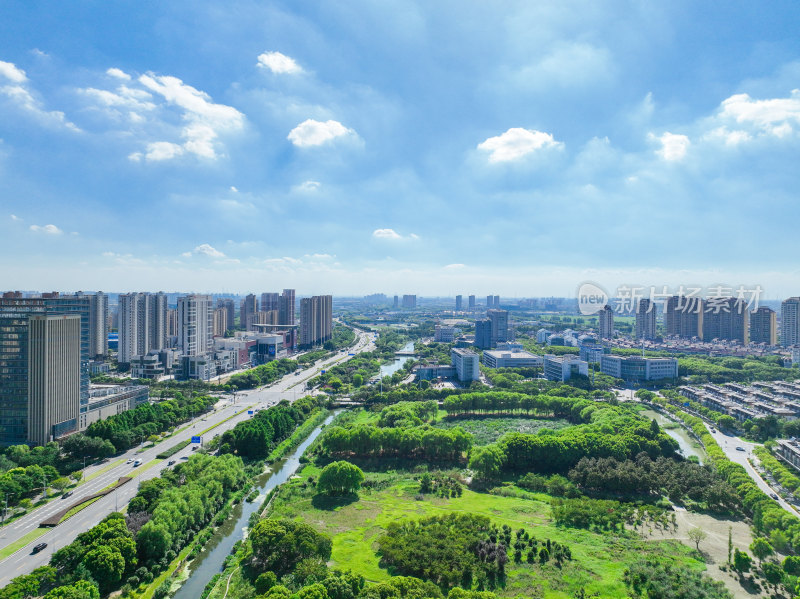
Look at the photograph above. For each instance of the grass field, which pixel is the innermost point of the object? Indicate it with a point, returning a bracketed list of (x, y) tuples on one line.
[(488, 430), (599, 559)]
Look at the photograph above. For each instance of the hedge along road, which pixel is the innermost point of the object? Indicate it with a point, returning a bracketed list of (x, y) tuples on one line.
[(24, 562)]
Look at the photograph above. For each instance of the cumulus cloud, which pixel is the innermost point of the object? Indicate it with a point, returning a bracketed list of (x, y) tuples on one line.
[(204, 249), (673, 146), (392, 235), (118, 73), (278, 63), (516, 143), (315, 133), (775, 116), (11, 72), (19, 92), (206, 120), (47, 229)]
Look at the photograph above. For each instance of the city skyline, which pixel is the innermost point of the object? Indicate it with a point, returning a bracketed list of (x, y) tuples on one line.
[(194, 148)]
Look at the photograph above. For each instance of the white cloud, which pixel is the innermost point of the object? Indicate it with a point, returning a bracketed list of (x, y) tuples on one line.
[(160, 150), (206, 120), (204, 249), (457, 266), (516, 143), (729, 138), (118, 73), (48, 229), (234, 189), (18, 92), (307, 186), (673, 146), (392, 235), (278, 63), (774, 116), (314, 133), (11, 72), (14, 217)]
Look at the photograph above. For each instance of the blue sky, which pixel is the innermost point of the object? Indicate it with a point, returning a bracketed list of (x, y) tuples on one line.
[(400, 147)]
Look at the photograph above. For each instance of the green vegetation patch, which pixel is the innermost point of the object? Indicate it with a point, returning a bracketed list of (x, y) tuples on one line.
[(489, 430)]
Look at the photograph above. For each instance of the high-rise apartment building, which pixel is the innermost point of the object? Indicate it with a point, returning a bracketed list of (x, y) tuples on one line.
[(683, 316), (489, 302), (98, 326), (500, 329), (396, 303), (459, 303), (286, 308), (646, 320), (247, 312), (471, 302), (726, 319), (409, 302), (270, 302), (142, 324), (605, 319), (764, 326), (44, 367), (496, 303), (790, 322), (316, 320), (230, 308), (483, 333), (195, 325), (220, 322), (172, 322)]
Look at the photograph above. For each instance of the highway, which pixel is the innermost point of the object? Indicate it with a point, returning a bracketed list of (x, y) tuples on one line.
[(23, 561), (728, 444)]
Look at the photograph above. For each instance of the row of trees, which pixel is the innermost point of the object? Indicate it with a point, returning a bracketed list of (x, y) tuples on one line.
[(196, 490), (509, 403), (424, 442), (126, 429), (256, 437), (262, 375)]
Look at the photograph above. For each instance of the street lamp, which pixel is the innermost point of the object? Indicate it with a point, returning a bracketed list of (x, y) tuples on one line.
[(44, 486), (5, 508)]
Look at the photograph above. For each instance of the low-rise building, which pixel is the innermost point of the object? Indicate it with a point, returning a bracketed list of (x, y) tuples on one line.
[(591, 353), (789, 451), (429, 372), (563, 368), (466, 364), (635, 368), (511, 359), (110, 400), (444, 334)]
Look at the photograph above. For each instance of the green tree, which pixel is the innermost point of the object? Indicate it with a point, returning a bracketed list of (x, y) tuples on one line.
[(487, 462), (80, 589), (741, 561), (697, 535), (791, 565), (106, 565), (60, 484), (279, 545), (761, 549), (340, 478)]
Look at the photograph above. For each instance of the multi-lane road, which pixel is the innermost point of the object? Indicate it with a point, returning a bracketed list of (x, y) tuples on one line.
[(227, 414)]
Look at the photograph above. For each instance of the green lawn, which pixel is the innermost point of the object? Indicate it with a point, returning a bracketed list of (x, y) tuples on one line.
[(599, 559)]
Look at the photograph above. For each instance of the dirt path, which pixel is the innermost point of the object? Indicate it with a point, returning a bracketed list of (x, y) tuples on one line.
[(715, 546)]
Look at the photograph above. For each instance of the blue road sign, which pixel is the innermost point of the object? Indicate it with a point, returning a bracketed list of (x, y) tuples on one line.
[(196, 440), (250, 412)]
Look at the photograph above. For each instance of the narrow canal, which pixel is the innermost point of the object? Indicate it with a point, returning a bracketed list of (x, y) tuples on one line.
[(390, 369), (688, 446), (210, 560)]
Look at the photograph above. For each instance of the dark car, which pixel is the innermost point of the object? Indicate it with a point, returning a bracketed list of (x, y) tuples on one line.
[(740, 449), (774, 496), (67, 494), (39, 547), (170, 463)]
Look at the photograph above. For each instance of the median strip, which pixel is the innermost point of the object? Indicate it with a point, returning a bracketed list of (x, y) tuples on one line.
[(12, 548)]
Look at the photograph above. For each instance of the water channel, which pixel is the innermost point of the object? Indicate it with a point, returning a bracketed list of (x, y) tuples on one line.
[(688, 446), (390, 369), (210, 560)]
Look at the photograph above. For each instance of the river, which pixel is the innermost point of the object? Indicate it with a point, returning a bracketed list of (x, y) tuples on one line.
[(390, 369), (210, 560), (688, 446)]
